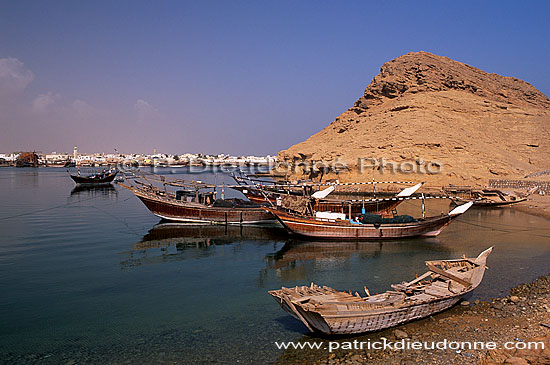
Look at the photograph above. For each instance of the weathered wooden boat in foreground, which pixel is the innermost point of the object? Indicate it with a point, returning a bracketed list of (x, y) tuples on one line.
[(312, 226), (326, 310)]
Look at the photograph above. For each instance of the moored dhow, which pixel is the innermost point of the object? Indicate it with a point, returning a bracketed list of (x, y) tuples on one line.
[(95, 179), (261, 191), (336, 226), (484, 197), (193, 204), (326, 310)]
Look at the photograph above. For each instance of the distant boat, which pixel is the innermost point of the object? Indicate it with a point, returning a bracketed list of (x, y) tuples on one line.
[(488, 202), (482, 197), (97, 178), (326, 310)]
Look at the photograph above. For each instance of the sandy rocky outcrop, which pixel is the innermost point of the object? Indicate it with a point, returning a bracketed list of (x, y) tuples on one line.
[(475, 125)]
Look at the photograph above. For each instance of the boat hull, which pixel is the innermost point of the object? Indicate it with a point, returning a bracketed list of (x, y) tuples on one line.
[(368, 322), (324, 229), (86, 181)]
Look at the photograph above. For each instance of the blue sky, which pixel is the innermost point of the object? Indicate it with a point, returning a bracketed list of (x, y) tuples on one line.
[(240, 77)]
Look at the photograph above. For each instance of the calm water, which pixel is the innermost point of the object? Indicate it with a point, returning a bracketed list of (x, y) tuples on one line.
[(92, 276)]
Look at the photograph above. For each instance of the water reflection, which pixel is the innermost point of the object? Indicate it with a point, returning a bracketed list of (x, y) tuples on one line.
[(26, 177), (108, 191), (296, 250), (166, 233), (290, 259), (170, 241), (297, 259)]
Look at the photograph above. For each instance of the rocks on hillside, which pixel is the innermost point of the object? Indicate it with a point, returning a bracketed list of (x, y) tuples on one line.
[(424, 72), (427, 110)]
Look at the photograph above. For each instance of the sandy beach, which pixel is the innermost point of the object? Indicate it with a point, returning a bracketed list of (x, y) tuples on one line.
[(536, 204)]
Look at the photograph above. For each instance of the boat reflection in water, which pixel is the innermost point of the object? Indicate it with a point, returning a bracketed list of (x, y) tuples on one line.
[(86, 191), (298, 259), (297, 250), (289, 259), (168, 241)]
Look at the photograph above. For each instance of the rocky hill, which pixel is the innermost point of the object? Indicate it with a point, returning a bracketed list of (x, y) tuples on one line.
[(422, 110)]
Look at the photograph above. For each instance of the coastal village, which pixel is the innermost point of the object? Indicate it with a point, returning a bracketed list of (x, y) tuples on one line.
[(55, 159)]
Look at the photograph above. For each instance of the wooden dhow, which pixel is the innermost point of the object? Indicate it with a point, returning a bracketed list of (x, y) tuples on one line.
[(261, 191), (326, 310), (483, 197), (198, 206), (488, 202), (371, 205), (327, 228), (95, 179)]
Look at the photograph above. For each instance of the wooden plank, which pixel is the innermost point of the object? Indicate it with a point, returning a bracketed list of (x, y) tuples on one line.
[(423, 276), (448, 275), (293, 308)]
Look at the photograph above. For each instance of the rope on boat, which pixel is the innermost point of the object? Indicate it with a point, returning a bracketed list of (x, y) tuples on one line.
[(179, 182), (390, 199), (201, 185), (274, 184)]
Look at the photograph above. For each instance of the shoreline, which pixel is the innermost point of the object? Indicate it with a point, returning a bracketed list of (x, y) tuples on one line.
[(516, 317), (538, 205)]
